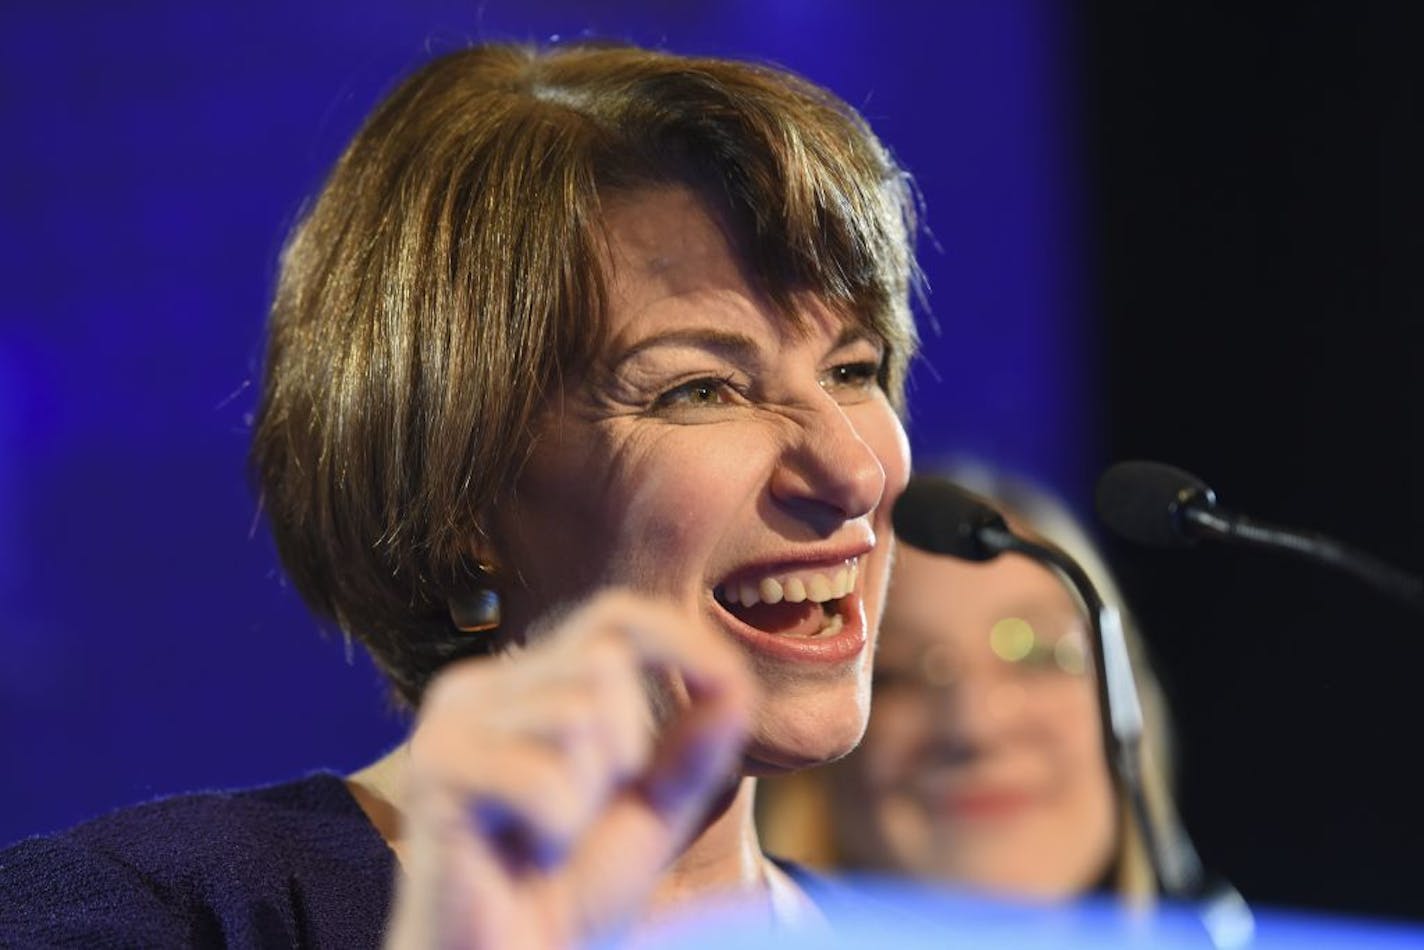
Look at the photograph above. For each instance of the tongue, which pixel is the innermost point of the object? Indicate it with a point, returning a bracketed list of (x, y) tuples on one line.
[(788, 620)]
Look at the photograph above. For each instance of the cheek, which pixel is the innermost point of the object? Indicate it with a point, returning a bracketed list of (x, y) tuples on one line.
[(1078, 754), (678, 497), (1088, 817), (1080, 726), (670, 499)]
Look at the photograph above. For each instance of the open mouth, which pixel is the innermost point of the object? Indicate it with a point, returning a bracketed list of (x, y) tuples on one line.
[(802, 603)]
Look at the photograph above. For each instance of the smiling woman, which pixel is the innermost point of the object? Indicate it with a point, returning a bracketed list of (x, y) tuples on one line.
[(580, 413), (772, 424)]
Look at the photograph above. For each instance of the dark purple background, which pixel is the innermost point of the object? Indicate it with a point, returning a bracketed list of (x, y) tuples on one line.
[(155, 155)]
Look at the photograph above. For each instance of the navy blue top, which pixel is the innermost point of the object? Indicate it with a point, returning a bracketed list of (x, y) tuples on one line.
[(291, 865)]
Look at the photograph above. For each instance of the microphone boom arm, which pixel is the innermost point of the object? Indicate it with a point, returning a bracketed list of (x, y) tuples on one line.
[(1216, 522)]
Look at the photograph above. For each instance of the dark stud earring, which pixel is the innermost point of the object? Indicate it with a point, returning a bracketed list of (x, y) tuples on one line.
[(476, 612)]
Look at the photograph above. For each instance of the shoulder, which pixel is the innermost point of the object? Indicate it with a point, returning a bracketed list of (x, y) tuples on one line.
[(276, 864)]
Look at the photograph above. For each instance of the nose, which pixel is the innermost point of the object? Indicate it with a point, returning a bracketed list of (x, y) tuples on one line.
[(829, 474), (976, 712)]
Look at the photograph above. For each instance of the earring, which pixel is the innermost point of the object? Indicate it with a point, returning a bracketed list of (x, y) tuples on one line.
[(476, 612)]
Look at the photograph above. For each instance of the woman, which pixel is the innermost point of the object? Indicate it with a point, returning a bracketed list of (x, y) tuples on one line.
[(580, 412), (983, 764)]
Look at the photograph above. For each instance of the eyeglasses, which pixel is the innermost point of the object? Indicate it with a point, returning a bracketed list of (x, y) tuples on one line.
[(1021, 648)]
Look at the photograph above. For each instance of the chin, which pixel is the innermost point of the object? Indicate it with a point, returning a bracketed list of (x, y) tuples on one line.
[(792, 733)]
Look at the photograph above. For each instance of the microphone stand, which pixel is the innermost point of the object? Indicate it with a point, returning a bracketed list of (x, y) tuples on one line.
[(1224, 913)]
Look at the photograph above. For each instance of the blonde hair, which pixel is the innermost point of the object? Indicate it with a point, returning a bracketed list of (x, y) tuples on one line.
[(449, 274), (796, 814)]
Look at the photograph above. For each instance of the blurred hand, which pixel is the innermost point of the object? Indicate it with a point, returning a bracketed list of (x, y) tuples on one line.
[(542, 802)]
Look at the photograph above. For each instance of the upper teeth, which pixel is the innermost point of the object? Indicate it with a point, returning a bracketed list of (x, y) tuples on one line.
[(793, 587)]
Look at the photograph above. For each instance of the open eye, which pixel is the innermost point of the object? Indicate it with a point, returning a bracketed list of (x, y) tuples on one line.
[(849, 379), (707, 391)]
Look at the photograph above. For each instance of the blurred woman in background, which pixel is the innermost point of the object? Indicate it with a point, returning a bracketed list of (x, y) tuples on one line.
[(983, 763)]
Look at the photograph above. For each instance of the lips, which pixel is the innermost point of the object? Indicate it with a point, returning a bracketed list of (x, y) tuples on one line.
[(806, 612), (791, 602), (971, 795), (985, 803)]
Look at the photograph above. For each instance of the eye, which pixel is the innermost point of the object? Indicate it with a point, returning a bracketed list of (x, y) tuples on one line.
[(1041, 657), (697, 393), (1071, 655), (852, 378), (1016, 641)]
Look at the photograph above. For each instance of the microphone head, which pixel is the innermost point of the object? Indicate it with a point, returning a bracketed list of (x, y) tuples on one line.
[(936, 515), (1143, 502)]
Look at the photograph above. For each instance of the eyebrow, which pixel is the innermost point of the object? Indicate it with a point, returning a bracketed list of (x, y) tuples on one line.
[(854, 333), (734, 346)]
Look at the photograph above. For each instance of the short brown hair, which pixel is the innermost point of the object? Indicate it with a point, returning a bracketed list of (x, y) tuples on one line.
[(449, 273)]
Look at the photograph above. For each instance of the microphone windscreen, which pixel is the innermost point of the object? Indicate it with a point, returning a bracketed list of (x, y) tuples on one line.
[(1142, 501), (936, 515)]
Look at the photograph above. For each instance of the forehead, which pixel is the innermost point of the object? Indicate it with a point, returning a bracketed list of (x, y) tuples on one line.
[(666, 249), (666, 238), (934, 598), (671, 256)]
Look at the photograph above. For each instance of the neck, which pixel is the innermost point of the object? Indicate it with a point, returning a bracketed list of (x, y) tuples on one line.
[(725, 858)]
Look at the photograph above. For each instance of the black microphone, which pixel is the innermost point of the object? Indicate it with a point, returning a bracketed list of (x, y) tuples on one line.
[(938, 516), (1156, 504), (1148, 502)]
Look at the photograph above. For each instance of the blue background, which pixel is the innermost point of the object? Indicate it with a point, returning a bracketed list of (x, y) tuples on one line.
[(155, 156)]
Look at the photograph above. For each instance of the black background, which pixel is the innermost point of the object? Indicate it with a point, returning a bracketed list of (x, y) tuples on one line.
[(1259, 178)]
